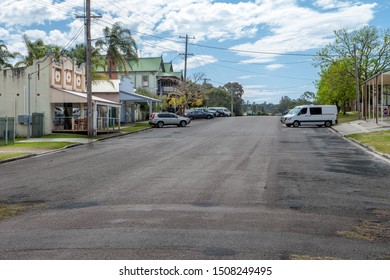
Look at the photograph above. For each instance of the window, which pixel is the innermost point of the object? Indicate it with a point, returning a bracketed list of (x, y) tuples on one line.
[(145, 80), (316, 111), (303, 111)]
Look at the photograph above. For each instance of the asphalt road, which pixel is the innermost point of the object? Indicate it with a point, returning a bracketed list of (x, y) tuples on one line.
[(228, 188)]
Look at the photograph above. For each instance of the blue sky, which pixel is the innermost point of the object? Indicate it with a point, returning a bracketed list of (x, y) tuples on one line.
[(265, 45)]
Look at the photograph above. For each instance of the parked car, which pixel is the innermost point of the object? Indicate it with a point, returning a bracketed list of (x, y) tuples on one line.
[(224, 112), (166, 118), (214, 112), (220, 113), (320, 115), (198, 114), (206, 110)]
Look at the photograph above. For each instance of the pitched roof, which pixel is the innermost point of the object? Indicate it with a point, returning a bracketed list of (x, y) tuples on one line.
[(178, 75), (147, 64), (168, 67)]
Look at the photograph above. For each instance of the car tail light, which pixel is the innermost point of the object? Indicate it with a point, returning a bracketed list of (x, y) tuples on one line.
[(152, 116)]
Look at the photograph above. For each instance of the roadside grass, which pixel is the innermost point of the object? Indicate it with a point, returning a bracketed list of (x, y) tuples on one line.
[(348, 117), (379, 140), (371, 230), (8, 210), (11, 155), (135, 127), (36, 146)]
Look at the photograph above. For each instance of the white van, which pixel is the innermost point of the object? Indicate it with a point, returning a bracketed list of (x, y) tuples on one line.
[(311, 115), (223, 109)]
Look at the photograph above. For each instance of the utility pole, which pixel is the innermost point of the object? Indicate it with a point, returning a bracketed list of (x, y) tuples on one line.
[(91, 130), (185, 57), (88, 64), (185, 66), (357, 82)]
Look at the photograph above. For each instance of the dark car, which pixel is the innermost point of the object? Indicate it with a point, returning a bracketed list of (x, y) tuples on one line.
[(198, 114), (220, 113)]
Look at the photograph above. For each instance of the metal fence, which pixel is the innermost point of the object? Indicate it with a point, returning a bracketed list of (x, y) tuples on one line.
[(7, 133)]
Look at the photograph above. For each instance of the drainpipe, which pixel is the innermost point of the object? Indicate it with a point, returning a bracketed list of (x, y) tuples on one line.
[(28, 107), (14, 134)]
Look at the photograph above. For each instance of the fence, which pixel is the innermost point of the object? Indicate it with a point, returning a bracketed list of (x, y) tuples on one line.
[(7, 133)]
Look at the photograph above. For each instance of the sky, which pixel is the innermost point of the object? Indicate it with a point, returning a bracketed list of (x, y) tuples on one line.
[(267, 46)]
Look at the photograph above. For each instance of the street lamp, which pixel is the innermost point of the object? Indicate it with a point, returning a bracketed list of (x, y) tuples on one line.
[(231, 102)]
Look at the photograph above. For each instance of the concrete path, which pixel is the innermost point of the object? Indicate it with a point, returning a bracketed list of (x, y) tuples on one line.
[(361, 126), (72, 140)]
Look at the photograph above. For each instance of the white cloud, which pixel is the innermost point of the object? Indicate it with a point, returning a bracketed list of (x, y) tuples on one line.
[(246, 77), (331, 4), (275, 66), (298, 29), (195, 62), (267, 28), (26, 12)]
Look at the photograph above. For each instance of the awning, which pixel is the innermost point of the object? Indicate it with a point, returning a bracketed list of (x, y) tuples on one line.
[(133, 97), (68, 96)]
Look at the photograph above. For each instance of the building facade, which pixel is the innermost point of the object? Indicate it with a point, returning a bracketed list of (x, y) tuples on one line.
[(56, 90), (151, 74)]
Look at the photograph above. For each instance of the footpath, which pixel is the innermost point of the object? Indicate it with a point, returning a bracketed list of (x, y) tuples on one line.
[(361, 126)]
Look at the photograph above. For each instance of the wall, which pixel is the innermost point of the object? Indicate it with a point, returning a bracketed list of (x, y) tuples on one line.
[(15, 89), (46, 73)]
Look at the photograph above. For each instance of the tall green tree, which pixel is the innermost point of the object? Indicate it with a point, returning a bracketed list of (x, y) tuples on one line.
[(217, 97), (373, 51), (336, 85), (285, 104), (119, 46), (36, 49), (237, 91)]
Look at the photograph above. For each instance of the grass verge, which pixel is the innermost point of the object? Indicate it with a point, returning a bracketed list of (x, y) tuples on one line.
[(379, 140), (12, 155), (36, 146), (348, 117), (135, 127)]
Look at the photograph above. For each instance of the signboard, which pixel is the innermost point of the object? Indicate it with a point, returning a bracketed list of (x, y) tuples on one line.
[(385, 110)]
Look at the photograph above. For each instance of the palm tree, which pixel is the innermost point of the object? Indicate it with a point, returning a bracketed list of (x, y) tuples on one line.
[(98, 61), (5, 55), (119, 46), (36, 50)]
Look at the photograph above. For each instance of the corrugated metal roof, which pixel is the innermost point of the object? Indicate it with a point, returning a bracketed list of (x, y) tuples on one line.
[(147, 64), (170, 74)]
